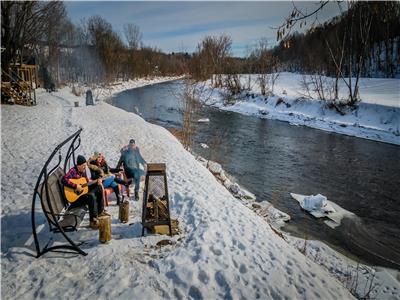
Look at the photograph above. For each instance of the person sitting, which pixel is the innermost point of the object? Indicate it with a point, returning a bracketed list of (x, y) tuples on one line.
[(131, 159), (100, 169), (93, 199)]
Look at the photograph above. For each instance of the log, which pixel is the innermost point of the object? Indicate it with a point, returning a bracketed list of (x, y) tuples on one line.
[(124, 212), (104, 229), (162, 211)]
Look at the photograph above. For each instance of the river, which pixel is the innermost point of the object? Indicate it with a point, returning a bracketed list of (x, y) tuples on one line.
[(272, 159)]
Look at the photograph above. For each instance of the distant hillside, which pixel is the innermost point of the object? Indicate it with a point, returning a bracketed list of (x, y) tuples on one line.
[(367, 34)]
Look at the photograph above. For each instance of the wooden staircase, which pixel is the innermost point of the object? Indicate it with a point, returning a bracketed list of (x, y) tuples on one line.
[(18, 89)]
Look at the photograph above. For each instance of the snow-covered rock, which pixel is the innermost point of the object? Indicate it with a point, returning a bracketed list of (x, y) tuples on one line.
[(235, 190), (274, 216), (221, 176), (202, 161), (248, 195), (214, 167)]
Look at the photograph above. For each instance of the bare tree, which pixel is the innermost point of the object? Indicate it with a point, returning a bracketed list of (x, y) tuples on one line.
[(133, 36), (23, 23), (354, 60), (57, 26), (349, 50), (213, 52), (317, 86), (189, 96), (299, 18), (266, 66), (107, 44)]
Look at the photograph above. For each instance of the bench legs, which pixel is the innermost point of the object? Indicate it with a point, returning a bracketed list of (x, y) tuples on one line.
[(75, 249)]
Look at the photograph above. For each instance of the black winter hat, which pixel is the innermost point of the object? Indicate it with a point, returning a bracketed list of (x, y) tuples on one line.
[(80, 160)]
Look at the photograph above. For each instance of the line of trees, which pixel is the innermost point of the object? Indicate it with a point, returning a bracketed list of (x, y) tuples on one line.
[(97, 53), (363, 41), (89, 52), (371, 27)]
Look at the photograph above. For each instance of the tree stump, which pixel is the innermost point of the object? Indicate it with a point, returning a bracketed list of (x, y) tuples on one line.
[(124, 212), (104, 229)]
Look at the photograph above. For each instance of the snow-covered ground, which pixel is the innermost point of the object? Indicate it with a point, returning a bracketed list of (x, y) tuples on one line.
[(224, 251), (377, 116)]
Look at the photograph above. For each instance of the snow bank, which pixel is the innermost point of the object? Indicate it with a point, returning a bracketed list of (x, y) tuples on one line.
[(362, 280), (225, 250), (377, 116), (266, 210)]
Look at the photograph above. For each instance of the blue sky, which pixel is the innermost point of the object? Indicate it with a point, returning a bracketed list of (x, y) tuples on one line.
[(179, 26)]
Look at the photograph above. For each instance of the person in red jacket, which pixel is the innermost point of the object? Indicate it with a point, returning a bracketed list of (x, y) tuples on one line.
[(93, 199)]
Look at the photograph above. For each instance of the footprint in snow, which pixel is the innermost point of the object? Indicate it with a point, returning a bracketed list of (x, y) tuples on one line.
[(195, 293), (203, 277), (217, 252), (243, 269)]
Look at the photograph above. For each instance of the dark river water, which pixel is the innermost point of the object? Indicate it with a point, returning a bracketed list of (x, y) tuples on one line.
[(273, 159)]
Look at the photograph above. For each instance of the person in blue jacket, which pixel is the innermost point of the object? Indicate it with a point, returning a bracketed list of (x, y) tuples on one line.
[(132, 160)]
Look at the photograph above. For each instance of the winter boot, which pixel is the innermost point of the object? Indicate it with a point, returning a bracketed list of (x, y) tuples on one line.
[(94, 224), (136, 196), (116, 191)]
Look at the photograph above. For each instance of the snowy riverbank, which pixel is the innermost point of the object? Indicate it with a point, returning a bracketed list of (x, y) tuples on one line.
[(377, 116), (224, 251), (360, 279)]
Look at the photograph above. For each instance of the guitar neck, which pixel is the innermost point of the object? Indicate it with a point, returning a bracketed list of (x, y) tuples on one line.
[(90, 183)]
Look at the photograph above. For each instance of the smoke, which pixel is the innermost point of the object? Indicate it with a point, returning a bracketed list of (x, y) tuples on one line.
[(82, 64)]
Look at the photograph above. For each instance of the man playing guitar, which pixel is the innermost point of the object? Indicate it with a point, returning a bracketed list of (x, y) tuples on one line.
[(92, 195)]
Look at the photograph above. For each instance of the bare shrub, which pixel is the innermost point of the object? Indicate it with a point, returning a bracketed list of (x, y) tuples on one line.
[(317, 85), (232, 84), (189, 97)]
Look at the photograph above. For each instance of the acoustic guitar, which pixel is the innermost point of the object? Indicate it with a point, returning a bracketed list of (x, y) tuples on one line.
[(72, 195)]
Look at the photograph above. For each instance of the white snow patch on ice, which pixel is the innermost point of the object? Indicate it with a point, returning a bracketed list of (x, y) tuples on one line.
[(319, 206), (205, 120)]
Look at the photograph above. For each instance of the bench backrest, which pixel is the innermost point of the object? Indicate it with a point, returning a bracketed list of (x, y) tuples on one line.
[(56, 198)]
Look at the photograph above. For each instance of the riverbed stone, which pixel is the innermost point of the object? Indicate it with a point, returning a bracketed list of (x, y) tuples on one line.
[(222, 176), (227, 183), (202, 160), (214, 167), (235, 189)]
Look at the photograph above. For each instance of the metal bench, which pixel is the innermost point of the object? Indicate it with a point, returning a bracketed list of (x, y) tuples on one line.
[(54, 206)]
